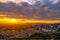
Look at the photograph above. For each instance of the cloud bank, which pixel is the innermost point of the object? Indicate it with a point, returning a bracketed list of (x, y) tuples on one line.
[(35, 11)]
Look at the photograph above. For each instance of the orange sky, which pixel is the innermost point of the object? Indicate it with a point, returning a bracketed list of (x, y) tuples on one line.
[(10, 20), (10, 0)]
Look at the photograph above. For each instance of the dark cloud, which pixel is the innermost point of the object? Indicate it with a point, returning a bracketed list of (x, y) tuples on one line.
[(35, 11), (11, 9)]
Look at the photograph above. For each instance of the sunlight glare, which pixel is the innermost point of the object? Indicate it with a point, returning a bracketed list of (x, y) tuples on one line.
[(13, 20)]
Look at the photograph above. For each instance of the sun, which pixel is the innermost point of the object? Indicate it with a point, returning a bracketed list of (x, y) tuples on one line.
[(13, 20), (9, 20)]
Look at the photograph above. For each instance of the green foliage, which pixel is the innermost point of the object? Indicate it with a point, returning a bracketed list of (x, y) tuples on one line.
[(40, 36)]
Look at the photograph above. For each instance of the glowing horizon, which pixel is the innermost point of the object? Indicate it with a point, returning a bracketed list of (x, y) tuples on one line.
[(17, 21)]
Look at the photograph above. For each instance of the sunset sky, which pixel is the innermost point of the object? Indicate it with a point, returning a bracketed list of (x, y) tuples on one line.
[(17, 1), (10, 0), (46, 11), (14, 10)]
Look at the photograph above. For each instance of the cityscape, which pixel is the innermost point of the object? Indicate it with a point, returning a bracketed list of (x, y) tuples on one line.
[(29, 19), (25, 31)]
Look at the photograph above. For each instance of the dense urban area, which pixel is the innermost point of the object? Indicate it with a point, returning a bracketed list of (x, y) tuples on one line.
[(33, 31)]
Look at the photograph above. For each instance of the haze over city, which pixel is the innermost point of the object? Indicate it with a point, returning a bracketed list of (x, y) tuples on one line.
[(29, 19)]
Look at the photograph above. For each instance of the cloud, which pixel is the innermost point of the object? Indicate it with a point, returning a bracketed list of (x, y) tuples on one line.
[(46, 11), (25, 10), (9, 8)]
